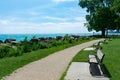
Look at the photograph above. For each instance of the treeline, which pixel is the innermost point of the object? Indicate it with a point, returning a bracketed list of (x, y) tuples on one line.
[(12, 48)]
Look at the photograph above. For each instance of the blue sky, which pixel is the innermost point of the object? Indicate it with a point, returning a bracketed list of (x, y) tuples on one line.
[(41, 16)]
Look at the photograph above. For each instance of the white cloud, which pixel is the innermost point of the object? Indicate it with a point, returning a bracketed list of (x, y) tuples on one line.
[(55, 18), (4, 22), (46, 18), (48, 27)]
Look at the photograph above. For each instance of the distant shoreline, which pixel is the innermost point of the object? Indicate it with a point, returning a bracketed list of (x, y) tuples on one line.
[(20, 37)]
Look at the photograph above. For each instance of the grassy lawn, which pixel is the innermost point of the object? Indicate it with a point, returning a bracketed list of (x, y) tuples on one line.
[(9, 64), (111, 59)]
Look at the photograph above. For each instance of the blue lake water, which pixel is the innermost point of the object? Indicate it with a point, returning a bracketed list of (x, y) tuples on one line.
[(20, 37)]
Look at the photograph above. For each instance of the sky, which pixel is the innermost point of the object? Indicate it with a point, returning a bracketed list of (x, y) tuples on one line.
[(41, 16)]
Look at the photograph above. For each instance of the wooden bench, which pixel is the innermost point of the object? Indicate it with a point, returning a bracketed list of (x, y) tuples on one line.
[(96, 45), (104, 41), (96, 68), (98, 58)]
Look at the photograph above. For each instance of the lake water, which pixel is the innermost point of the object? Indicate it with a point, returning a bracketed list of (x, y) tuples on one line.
[(20, 37)]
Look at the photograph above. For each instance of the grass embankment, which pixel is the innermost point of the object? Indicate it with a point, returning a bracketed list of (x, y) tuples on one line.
[(9, 64), (111, 59)]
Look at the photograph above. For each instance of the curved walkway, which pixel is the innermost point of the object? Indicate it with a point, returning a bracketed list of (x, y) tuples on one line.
[(49, 68)]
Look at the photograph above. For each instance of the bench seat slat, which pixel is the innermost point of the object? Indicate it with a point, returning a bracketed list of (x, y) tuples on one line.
[(96, 58), (91, 56), (93, 60)]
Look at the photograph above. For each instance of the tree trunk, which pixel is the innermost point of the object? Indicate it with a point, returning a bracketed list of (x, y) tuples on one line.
[(103, 32)]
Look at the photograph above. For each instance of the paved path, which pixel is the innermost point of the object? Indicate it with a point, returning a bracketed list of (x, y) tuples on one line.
[(49, 68)]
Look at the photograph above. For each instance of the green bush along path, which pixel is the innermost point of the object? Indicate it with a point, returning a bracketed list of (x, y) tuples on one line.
[(111, 59)]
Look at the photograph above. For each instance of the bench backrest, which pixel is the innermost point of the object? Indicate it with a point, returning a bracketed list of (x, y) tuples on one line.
[(100, 55)]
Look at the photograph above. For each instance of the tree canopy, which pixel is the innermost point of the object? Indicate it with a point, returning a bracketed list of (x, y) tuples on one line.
[(101, 17), (116, 5)]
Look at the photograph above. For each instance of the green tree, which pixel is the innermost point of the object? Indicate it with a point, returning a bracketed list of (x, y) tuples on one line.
[(116, 8), (98, 14), (104, 20), (116, 5)]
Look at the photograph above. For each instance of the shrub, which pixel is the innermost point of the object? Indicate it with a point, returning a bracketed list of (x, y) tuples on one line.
[(56, 43), (20, 51), (43, 45), (11, 52), (71, 41), (35, 46), (26, 45), (4, 50)]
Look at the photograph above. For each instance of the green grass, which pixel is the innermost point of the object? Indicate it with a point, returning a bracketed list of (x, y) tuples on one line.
[(82, 56), (9, 64), (111, 59)]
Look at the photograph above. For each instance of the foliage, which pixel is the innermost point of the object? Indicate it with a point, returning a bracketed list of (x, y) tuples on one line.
[(43, 45), (100, 17), (116, 5), (55, 43), (9, 50), (4, 51), (116, 8), (104, 20), (26, 45)]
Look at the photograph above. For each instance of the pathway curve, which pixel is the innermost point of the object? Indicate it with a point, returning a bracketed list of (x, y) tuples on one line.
[(49, 68)]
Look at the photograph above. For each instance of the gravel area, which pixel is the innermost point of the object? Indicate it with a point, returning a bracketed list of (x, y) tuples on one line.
[(48, 68)]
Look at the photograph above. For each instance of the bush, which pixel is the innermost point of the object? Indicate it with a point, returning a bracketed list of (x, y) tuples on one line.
[(11, 52), (43, 45), (4, 50), (55, 43), (35, 46), (26, 45), (71, 41), (20, 51)]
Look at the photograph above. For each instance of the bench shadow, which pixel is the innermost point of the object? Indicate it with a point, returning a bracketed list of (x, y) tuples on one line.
[(105, 71)]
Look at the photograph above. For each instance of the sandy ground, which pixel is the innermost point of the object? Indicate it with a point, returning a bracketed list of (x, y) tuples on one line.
[(48, 68)]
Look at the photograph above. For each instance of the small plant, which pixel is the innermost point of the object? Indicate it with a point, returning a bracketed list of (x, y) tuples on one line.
[(4, 50)]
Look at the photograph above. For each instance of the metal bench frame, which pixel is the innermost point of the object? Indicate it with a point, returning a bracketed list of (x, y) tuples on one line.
[(95, 61)]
